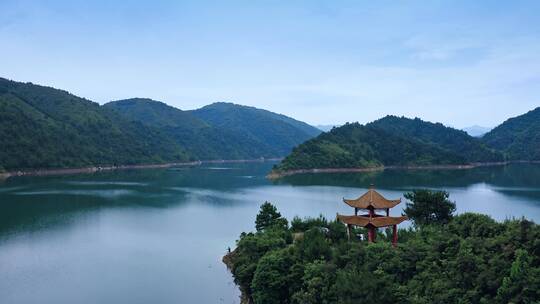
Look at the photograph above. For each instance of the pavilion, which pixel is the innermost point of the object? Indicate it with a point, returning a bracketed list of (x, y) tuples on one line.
[(372, 201)]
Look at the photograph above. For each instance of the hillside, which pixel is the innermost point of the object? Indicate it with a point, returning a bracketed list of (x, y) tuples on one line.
[(518, 137), (452, 140), (199, 138), (43, 127), (273, 132), (358, 146)]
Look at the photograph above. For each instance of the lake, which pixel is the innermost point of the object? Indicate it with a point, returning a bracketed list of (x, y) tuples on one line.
[(158, 236)]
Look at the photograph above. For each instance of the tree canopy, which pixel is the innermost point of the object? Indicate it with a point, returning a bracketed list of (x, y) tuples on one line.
[(357, 146), (269, 217), (470, 259), (518, 137), (428, 207)]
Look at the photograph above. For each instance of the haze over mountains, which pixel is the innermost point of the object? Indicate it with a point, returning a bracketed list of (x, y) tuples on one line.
[(476, 130)]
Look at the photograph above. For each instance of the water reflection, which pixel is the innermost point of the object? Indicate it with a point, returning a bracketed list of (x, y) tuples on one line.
[(112, 235), (521, 180)]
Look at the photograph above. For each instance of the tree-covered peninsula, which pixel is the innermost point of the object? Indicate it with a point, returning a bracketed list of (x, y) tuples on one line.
[(358, 146), (389, 142), (443, 258)]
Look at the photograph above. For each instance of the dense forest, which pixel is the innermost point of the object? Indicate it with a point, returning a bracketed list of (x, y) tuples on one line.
[(43, 127), (518, 137), (269, 131), (220, 130), (401, 141), (358, 146), (454, 141), (442, 258)]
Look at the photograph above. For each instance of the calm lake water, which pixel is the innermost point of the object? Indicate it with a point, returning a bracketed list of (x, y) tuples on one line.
[(157, 236)]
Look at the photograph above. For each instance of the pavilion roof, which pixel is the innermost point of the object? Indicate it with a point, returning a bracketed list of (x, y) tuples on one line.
[(364, 221), (373, 199)]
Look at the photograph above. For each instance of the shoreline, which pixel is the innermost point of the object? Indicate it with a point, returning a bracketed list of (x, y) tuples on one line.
[(94, 169), (277, 174), (227, 260)]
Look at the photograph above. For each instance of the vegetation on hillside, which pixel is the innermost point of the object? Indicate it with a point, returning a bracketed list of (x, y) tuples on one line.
[(518, 137), (357, 146), (274, 133), (450, 139), (44, 127), (468, 258), (211, 140)]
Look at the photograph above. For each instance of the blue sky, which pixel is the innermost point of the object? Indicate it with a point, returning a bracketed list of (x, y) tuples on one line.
[(324, 62)]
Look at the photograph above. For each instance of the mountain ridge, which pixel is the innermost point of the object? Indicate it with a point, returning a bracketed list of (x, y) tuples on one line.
[(43, 127), (450, 139), (518, 137), (207, 140), (48, 128), (391, 141)]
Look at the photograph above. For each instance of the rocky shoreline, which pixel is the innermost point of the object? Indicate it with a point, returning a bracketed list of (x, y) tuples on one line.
[(279, 174), (227, 260)]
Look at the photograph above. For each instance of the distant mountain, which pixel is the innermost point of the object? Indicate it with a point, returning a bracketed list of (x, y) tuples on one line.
[(476, 131), (207, 140), (518, 137), (452, 140), (43, 127), (274, 133), (357, 146), (325, 128)]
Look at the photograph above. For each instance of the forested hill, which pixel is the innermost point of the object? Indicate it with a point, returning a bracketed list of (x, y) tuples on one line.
[(518, 137), (270, 130), (389, 141), (450, 139), (357, 146), (43, 127), (207, 138)]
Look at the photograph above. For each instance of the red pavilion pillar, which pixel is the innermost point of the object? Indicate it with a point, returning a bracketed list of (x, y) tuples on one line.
[(394, 236), (371, 234)]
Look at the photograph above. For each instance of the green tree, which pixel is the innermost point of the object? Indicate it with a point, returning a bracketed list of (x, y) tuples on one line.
[(473, 259), (429, 207), (318, 284), (361, 286), (269, 217), (270, 282), (523, 283), (314, 245)]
